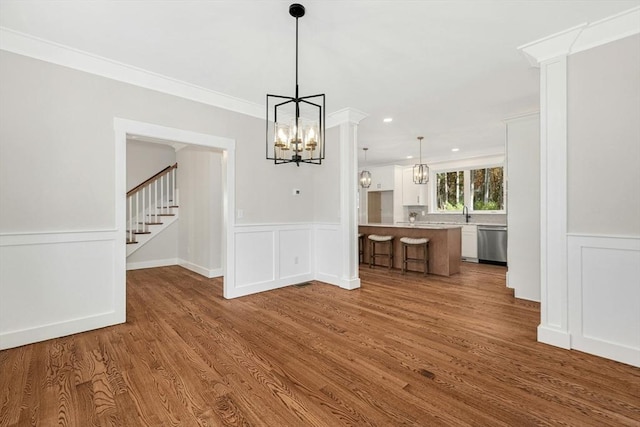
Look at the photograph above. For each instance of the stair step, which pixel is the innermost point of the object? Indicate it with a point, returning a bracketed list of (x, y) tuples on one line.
[(153, 223), (138, 232), (131, 242), (161, 214), (167, 207)]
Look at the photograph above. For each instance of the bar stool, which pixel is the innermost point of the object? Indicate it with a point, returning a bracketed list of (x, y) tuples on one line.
[(422, 242), (387, 240), (360, 248)]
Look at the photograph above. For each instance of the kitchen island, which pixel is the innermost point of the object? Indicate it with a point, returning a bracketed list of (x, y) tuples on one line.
[(445, 245)]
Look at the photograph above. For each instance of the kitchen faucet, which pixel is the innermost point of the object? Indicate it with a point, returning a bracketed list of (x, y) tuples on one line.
[(465, 212)]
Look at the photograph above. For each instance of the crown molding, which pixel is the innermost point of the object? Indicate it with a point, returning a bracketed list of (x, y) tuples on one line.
[(55, 53), (583, 37), (346, 115), (45, 50)]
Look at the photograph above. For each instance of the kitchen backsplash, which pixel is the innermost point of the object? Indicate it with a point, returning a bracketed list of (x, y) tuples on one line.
[(476, 218)]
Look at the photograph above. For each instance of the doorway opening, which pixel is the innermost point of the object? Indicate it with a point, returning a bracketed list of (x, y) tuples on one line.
[(191, 145)]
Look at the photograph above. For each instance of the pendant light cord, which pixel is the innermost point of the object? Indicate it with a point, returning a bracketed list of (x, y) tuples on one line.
[(296, 58)]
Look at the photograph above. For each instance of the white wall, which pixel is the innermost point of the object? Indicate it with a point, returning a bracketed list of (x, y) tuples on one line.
[(326, 181), (590, 254), (604, 139), (57, 141), (603, 183), (523, 206), (145, 159), (201, 209), (160, 251)]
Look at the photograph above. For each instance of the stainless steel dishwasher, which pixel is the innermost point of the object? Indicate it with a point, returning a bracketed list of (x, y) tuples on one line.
[(492, 244)]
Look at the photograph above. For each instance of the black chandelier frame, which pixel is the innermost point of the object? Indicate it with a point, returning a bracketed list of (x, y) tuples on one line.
[(316, 102)]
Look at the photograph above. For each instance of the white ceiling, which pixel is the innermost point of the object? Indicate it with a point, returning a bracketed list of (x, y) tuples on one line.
[(446, 70)]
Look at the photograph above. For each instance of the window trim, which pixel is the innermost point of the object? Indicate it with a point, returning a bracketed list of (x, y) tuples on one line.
[(466, 170)]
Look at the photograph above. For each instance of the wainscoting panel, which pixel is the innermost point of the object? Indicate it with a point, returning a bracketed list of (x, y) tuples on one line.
[(271, 256), (328, 254), (56, 284), (294, 253), (255, 257), (604, 296)]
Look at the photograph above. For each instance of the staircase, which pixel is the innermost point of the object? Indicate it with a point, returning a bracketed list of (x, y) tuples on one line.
[(152, 206)]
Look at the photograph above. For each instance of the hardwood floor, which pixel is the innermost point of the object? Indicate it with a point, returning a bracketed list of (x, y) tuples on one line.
[(402, 350)]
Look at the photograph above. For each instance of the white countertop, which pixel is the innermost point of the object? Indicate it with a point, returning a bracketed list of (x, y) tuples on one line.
[(423, 225), (432, 225), (454, 223)]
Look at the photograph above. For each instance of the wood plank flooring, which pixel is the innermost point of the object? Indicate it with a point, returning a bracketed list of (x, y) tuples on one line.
[(402, 350)]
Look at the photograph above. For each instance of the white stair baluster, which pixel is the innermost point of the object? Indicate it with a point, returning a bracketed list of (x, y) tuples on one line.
[(130, 220), (149, 216), (174, 187), (155, 211), (144, 210), (137, 211)]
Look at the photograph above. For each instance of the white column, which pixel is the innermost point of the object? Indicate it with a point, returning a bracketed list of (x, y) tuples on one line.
[(554, 314), (349, 120), (550, 54)]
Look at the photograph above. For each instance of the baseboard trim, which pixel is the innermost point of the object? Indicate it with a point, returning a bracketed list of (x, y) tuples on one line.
[(554, 337), (61, 329), (208, 273), (152, 264), (348, 284)]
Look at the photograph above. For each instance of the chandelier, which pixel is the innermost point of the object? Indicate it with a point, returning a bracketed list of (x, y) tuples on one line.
[(295, 124), (365, 175), (421, 170)]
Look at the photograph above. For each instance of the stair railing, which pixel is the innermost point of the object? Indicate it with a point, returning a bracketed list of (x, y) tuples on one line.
[(147, 201)]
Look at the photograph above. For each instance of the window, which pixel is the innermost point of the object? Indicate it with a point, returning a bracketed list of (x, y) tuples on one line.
[(487, 189), (480, 189), (450, 191)]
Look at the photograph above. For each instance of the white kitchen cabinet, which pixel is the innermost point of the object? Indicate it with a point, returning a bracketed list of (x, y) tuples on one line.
[(412, 194), (382, 178), (470, 242)]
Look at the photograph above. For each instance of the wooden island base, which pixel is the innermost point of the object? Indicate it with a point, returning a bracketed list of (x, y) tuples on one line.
[(445, 246)]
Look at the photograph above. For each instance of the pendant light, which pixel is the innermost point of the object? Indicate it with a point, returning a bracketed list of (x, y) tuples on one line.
[(421, 170), (295, 124), (365, 175)]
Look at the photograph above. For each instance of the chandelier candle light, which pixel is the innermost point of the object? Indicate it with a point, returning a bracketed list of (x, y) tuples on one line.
[(421, 170), (296, 125), (365, 175)]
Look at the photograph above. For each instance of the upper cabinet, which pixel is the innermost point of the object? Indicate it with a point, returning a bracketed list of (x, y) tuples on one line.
[(413, 194), (382, 178)]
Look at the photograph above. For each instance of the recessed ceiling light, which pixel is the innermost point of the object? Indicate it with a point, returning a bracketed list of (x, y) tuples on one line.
[(455, 149), (409, 157), (388, 120)]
